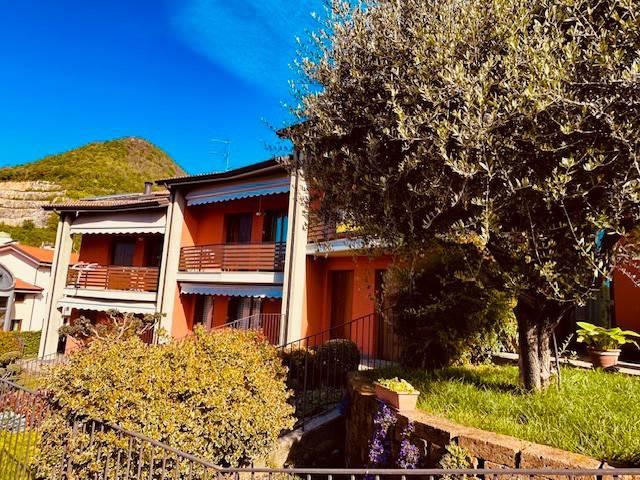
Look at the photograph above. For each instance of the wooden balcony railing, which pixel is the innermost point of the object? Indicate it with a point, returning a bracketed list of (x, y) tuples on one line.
[(110, 277), (323, 232), (254, 257)]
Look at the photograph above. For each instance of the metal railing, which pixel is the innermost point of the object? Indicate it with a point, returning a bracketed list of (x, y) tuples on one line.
[(100, 451), (266, 323), (318, 364), (255, 257), (111, 277), (35, 366)]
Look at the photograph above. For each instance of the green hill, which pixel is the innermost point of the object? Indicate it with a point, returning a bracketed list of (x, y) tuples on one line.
[(100, 168)]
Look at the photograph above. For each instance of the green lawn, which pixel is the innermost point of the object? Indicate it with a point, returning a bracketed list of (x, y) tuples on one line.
[(593, 413)]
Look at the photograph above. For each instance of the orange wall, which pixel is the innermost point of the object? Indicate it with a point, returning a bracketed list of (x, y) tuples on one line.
[(185, 304), (626, 300), (318, 288), (205, 224), (97, 249)]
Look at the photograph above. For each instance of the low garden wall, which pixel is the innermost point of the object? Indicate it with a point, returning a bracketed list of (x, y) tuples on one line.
[(433, 434)]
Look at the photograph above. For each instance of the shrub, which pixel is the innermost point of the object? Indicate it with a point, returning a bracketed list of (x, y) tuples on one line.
[(334, 359), (219, 395), (447, 311), (296, 359), (26, 343)]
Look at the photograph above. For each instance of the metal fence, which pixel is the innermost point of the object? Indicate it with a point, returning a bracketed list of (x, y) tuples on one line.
[(318, 364), (90, 449)]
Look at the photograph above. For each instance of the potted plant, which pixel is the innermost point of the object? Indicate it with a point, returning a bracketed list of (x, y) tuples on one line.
[(604, 343), (397, 393)]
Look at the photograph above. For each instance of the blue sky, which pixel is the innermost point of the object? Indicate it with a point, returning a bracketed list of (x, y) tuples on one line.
[(177, 72)]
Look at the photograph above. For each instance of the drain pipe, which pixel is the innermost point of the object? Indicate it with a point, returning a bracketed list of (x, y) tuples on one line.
[(285, 333)]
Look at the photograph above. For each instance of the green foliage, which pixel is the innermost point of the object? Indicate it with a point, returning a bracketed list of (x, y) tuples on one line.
[(397, 385), (29, 234), (593, 413), (456, 457), (219, 395), (334, 359), (26, 343), (601, 338), (508, 124), (99, 168), (325, 366), (117, 327), (448, 311)]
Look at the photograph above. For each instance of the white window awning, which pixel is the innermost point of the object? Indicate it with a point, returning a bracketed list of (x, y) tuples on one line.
[(238, 191), (114, 223), (98, 305), (257, 291)]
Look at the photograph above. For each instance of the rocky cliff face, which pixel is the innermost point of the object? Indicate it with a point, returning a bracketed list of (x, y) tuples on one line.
[(21, 201)]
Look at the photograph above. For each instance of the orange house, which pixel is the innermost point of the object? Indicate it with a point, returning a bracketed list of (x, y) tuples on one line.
[(229, 249), (121, 242), (626, 299), (221, 249)]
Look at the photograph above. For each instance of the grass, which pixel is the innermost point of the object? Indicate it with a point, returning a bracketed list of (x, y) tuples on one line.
[(593, 413)]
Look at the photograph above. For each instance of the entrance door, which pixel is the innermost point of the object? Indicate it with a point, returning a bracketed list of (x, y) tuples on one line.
[(341, 302)]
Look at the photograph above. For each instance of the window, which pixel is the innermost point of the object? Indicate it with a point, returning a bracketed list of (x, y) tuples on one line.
[(16, 325), (153, 251), (275, 227), (239, 228), (203, 311), (123, 250), (243, 307)]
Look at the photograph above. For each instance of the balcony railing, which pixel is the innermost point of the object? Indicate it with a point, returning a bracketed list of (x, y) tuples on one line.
[(254, 257), (267, 323), (110, 277), (325, 232)]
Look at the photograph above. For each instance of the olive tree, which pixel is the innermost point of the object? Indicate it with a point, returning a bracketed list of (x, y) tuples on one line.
[(510, 125)]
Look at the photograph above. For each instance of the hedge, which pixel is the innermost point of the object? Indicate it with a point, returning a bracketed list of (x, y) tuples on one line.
[(219, 395), (27, 343)]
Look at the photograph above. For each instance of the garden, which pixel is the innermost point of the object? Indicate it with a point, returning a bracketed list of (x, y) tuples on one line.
[(591, 412)]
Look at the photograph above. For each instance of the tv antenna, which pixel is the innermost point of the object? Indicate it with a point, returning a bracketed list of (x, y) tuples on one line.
[(222, 146)]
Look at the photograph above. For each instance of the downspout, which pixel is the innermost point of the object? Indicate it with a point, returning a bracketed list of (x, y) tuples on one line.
[(292, 248)]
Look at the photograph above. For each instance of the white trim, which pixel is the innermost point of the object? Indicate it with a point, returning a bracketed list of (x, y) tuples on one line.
[(104, 306), (126, 295), (121, 223), (338, 246), (275, 278)]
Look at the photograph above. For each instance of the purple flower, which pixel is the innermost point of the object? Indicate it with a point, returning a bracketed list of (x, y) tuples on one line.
[(380, 444), (409, 454)]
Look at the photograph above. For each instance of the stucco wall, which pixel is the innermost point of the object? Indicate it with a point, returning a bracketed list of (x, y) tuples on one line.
[(627, 300), (32, 310)]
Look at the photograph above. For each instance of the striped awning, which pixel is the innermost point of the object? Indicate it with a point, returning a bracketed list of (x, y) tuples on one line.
[(238, 191), (100, 305), (114, 223), (257, 291)]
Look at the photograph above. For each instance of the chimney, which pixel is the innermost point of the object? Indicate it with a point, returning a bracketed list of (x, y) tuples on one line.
[(147, 187)]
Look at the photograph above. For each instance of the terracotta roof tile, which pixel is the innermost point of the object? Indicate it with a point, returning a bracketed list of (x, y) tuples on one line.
[(121, 201), (22, 285)]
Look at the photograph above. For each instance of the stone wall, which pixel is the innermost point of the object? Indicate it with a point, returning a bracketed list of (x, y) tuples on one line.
[(432, 434)]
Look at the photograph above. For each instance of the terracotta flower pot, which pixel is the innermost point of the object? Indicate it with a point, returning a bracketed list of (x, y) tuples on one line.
[(604, 358), (399, 401)]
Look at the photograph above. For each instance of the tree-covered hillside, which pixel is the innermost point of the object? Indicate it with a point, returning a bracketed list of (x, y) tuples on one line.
[(100, 168)]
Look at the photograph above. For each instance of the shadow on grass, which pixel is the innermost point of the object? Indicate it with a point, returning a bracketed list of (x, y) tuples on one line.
[(477, 377)]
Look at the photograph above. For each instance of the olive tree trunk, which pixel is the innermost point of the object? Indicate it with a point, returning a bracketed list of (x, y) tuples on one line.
[(536, 322)]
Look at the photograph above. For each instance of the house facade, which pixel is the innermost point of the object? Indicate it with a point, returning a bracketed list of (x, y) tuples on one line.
[(25, 273), (121, 240), (207, 250)]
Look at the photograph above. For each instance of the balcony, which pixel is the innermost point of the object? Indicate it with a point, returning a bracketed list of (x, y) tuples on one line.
[(235, 257), (110, 277)]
